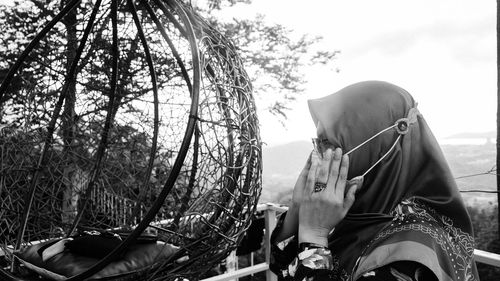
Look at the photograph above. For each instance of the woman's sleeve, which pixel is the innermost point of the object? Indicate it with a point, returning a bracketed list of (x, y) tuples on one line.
[(283, 253), (289, 262)]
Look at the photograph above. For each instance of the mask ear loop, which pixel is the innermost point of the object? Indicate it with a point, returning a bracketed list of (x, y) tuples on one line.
[(402, 126), (382, 158), (366, 141)]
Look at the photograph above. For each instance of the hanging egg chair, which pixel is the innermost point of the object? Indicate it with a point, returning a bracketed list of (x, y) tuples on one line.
[(129, 118)]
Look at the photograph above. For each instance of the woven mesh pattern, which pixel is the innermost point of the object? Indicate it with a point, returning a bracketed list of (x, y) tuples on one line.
[(56, 141)]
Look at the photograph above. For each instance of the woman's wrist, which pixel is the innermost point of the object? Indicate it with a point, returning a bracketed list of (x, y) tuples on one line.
[(306, 246), (314, 236), (294, 209), (290, 224)]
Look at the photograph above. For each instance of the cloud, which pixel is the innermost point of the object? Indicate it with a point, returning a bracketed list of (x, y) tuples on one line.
[(468, 44)]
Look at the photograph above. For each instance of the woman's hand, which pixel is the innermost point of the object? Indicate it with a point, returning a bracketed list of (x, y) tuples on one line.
[(321, 211), (300, 184), (291, 223)]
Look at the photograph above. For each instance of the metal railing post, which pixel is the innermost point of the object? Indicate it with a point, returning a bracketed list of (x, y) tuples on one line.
[(270, 217), (232, 264)]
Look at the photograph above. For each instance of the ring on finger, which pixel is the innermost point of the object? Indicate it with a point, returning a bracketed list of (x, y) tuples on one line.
[(319, 186)]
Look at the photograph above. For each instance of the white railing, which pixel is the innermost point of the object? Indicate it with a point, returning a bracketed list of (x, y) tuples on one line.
[(270, 211)]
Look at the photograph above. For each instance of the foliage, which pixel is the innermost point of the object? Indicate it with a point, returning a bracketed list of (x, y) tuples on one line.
[(30, 99), (19, 26), (485, 224), (103, 160), (274, 55)]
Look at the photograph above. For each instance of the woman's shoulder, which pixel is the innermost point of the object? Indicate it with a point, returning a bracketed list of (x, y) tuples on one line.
[(420, 235), (400, 271)]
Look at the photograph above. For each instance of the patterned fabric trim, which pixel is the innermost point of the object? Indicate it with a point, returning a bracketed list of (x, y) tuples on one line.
[(458, 246), (399, 271), (415, 207), (408, 252)]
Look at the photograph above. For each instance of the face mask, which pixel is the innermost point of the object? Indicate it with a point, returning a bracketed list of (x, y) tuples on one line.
[(402, 126)]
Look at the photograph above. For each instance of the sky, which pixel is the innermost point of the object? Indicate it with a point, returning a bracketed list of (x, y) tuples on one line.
[(442, 51)]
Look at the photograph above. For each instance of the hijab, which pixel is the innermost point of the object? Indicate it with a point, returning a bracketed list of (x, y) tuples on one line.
[(414, 171)]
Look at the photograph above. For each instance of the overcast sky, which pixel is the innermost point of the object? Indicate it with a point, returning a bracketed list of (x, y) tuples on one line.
[(441, 51)]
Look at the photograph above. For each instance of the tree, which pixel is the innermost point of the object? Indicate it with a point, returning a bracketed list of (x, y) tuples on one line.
[(274, 55), (19, 25), (81, 134)]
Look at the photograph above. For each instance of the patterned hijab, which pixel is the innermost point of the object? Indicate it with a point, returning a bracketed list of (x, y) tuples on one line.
[(409, 207)]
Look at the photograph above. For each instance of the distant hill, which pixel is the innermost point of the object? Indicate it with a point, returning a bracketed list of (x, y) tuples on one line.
[(281, 166), (479, 135), (287, 158), (283, 163)]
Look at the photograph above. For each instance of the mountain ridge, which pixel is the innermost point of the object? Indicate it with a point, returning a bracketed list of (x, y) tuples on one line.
[(283, 163)]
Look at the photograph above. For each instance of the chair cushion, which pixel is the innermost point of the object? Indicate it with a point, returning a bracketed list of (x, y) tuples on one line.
[(94, 246), (139, 257)]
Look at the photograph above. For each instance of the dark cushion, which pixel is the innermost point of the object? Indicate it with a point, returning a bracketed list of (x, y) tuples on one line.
[(139, 257), (252, 240), (93, 246)]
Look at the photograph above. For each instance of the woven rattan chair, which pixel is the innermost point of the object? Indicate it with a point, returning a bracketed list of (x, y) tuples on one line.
[(128, 116)]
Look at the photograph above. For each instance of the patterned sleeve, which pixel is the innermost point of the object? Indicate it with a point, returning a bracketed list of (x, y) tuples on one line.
[(283, 253), (289, 262)]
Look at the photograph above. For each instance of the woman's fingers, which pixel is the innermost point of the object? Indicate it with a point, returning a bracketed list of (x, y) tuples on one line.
[(308, 162), (334, 168), (307, 167), (324, 167), (322, 209), (311, 175), (350, 197), (342, 179), (300, 184)]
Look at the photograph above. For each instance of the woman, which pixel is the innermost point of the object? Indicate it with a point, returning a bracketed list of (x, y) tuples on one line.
[(376, 199)]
